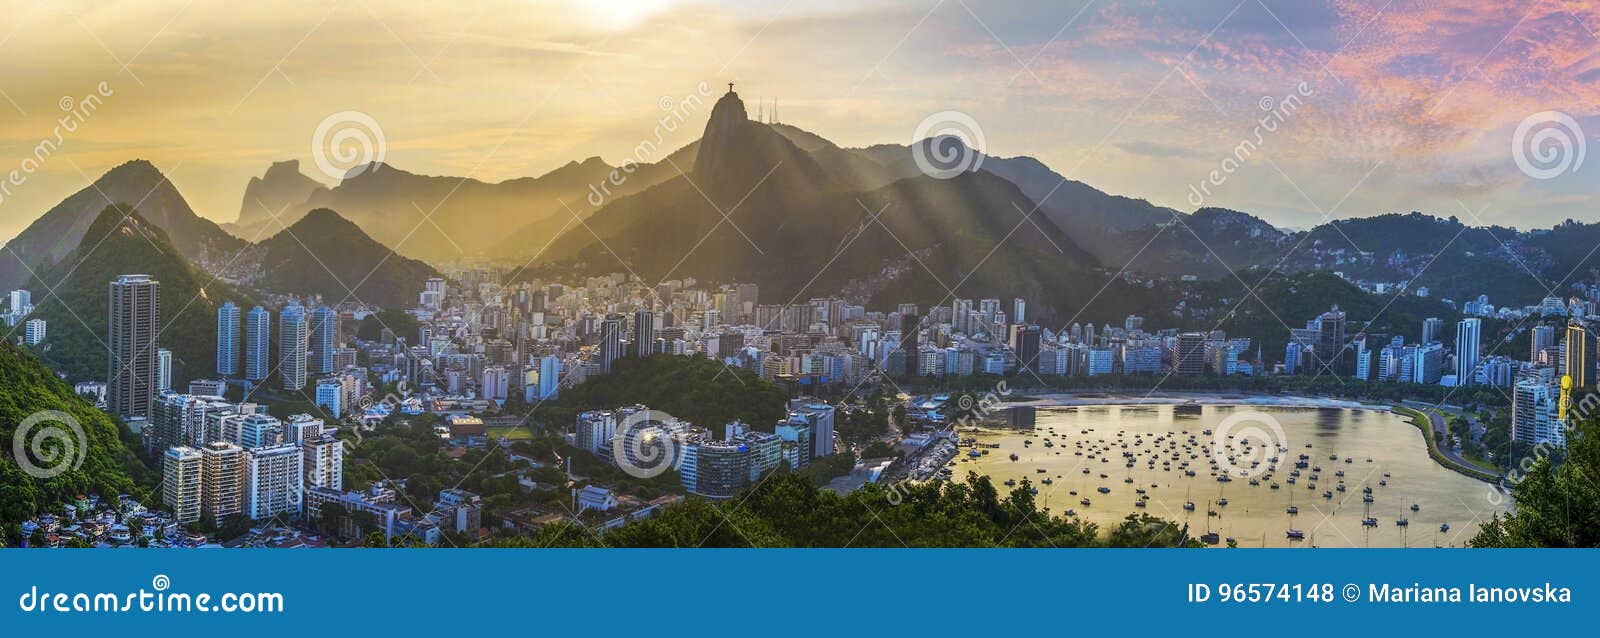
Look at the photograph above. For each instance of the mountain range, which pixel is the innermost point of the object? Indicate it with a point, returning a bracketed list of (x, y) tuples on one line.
[(436, 218), (137, 184), (320, 254), (328, 255), (271, 196), (72, 298), (758, 206), (786, 208)]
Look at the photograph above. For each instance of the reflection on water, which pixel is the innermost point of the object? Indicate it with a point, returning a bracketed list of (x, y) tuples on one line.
[(1115, 456)]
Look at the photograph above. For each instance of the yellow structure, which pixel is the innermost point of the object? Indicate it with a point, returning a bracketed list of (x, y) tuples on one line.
[(1566, 397)]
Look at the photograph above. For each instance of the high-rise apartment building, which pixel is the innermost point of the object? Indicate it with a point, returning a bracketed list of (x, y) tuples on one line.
[(257, 344), (274, 481), (223, 477), (1432, 330), (228, 340), (1468, 332), (644, 333), (33, 332), (1543, 339), (163, 369), (549, 376), (181, 482), (133, 320), (1190, 356), (330, 395), (1330, 340), (1579, 358), (293, 340), (324, 340), (322, 456), (610, 343)]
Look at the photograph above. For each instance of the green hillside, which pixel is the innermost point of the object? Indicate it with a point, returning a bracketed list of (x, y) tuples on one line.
[(123, 242), (108, 466)]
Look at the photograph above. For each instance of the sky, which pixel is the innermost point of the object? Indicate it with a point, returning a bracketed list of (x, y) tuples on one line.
[(1293, 110)]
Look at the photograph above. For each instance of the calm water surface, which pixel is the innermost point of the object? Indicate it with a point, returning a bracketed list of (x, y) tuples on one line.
[(1381, 447)]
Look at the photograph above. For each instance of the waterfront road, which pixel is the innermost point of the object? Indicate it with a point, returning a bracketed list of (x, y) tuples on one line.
[(1450, 453)]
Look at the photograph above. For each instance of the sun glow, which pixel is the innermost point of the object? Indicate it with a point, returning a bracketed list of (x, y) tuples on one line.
[(622, 14)]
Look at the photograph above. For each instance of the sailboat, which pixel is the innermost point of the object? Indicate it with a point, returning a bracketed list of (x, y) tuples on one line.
[(1293, 533), (1210, 537)]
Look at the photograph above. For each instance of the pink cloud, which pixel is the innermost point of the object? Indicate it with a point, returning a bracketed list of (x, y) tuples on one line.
[(1420, 85), (1454, 72)]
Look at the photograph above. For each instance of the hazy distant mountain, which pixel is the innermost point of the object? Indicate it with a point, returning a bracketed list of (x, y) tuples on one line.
[(136, 183), (1210, 243), (1131, 233), (443, 218), (518, 220), (281, 190), (849, 167), (1093, 218), (525, 242), (1074, 206), (121, 241), (322, 253), (779, 217)]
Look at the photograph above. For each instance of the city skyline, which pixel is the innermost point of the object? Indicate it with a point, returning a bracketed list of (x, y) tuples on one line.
[(758, 314)]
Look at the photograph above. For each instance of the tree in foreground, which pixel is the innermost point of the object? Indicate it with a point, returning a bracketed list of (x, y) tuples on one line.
[(787, 510), (1554, 505)]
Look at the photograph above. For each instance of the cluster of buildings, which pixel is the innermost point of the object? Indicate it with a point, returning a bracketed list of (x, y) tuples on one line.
[(20, 306), (455, 510), (1325, 346), (119, 522), (309, 344), (1560, 355), (1562, 345), (708, 465), (221, 459), (139, 370), (493, 340), (481, 342)]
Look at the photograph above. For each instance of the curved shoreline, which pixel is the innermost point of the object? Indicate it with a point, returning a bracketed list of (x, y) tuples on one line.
[(1091, 399), (1079, 399)]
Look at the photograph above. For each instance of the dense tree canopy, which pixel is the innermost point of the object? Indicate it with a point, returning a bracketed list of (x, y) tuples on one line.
[(699, 390), (1555, 505), (788, 511), (108, 467)]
